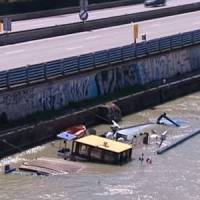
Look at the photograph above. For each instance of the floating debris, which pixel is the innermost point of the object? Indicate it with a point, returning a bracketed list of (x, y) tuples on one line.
[(51, 166), (183, 139)]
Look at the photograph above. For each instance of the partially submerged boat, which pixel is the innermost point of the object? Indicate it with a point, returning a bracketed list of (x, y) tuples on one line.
[(8, 169), (77, 130), (99, 149), (136, 134), (133, 134), (51, 166), (140, 133), (70, 134), (63, 150)]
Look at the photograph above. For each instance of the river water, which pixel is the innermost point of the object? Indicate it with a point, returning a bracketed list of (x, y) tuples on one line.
[(172, 175)]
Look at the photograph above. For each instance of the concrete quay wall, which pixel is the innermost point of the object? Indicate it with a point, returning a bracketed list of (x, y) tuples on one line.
[(56, 94)]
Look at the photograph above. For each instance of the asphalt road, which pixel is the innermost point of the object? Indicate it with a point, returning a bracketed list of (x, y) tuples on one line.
[(38, 51), (97, 14)]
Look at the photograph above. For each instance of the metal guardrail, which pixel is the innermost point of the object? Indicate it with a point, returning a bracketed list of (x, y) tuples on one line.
[(71, 9), (63, 67)]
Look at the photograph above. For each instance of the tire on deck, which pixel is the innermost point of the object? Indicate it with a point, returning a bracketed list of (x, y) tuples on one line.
[(109, 112)]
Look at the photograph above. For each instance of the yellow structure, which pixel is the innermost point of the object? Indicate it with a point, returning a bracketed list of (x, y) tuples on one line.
[(1, 26), (104, 143), (95, 148), (135, 32)]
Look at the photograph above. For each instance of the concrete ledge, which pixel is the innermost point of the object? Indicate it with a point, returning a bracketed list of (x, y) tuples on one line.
[(23, 36)]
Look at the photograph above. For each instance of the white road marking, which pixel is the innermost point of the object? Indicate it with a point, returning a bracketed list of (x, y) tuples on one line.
[(14, 52), (72, 48), (155, 25), (118, 27), (93, 37)]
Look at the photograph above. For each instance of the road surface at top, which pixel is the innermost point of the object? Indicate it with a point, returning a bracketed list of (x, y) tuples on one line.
[(39, 51), (97, 14)]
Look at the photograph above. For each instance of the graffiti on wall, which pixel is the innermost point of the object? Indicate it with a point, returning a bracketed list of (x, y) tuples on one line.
[(55, 95), (194, 56), (16, 97), (16, 102), (163, 66), (60, 94), (50, 96), (108, 81)]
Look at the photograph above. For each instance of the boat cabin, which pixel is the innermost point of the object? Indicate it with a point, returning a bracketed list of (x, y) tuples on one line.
[(63, 150), (71, 133), (99, 149)]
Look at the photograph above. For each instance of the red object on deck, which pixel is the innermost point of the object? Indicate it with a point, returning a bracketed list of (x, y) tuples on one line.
[(77, 130)]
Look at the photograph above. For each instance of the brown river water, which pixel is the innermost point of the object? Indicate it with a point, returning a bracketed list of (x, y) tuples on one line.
[(172, 175)]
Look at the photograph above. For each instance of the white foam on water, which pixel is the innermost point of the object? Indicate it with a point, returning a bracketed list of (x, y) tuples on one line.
[(111, 190), (54, 196), (20, 156)]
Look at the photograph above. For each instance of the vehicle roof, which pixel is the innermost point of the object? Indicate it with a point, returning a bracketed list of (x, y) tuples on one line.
[(104, 143), (66, 135)]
